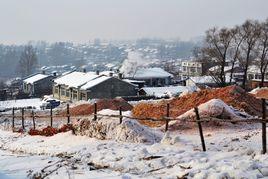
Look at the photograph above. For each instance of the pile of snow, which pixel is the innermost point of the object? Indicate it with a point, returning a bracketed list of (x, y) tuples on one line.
[(216, 108), (109, 128)]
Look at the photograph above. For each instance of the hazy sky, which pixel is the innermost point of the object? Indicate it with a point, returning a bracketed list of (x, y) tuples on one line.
[(82, 20)]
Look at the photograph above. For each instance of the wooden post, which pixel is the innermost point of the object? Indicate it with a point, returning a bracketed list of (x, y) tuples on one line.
[(33, 119), (264, 126), (13, 118), (22, 118), (68, 114), (51, 116), (95, 111), (200, 129), (167, 120), (120, 113)]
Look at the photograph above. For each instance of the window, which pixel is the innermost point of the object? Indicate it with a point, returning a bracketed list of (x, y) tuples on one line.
[(74, 94), (56, 90), (68, 93), (62, 91), (83, 96)]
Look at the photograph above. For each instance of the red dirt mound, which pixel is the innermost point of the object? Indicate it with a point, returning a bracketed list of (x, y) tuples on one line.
[(113, 104), (50, 131), (231, 95)]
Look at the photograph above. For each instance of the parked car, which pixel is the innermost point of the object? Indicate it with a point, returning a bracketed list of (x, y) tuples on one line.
[(47, 103)]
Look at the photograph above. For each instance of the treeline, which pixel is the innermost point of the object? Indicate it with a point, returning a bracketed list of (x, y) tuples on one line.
[(242, 45)]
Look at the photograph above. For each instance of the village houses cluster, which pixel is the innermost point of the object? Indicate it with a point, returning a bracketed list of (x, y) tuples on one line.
[(145, 83)]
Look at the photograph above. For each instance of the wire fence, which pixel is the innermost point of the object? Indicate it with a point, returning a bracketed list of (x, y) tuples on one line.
[(33, 116)]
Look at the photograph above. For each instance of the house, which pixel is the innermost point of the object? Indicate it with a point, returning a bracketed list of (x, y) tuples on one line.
[(152, 76), (38, 85), (201, 81), (3, 94), (255, 83), (76, 86), (190, 68), (167, 91)]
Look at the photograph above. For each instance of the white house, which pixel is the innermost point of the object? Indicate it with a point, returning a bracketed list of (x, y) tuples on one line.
[(152, 76)]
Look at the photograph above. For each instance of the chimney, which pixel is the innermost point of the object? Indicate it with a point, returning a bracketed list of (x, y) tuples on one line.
[(97, 72), (54, 73), (111, 74), (120, 76), (84, 70), (43, 72)]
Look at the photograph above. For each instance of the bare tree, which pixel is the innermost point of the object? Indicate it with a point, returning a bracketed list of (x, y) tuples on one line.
[(235, 49), (262, 50), (250, 31), (28, 61), (218, 43)]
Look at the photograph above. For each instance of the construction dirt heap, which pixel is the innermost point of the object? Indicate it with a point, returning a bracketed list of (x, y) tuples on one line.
[(231, 95), (113, 104)]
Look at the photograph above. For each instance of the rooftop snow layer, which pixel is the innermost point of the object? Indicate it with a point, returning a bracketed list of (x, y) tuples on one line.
[(35, 78), (94, 82), (202, 79), (167, 91), (151, 73), (76, 79)]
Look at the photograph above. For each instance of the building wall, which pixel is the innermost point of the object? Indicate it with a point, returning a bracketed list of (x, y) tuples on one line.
[(255, 84), (111, 88), (156, 82), (39, 88)]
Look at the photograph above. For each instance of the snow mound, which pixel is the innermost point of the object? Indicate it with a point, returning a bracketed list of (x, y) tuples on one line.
[(170, 139), (216, 108), (256, 90), (109, 128)]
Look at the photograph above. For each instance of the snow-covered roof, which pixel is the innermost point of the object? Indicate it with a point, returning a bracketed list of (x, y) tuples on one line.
[(207, 79), (34, 78), (202, 79), (168, 90), (226, 68), (254, 69), (133, 81), (143, 73), (94, 82), (75, 79)]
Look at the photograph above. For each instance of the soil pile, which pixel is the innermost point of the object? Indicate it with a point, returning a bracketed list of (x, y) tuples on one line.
[(50, 131), (113, 104), (232, 95)]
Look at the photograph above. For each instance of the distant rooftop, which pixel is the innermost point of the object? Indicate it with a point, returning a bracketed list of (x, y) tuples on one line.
[(144, 73), (34, 78)]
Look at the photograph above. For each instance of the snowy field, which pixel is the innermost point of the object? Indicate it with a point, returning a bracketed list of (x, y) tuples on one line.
[(21, 103), (231, 153)]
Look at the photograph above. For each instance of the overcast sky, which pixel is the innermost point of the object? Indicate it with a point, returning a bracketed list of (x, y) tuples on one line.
[(84, 20)]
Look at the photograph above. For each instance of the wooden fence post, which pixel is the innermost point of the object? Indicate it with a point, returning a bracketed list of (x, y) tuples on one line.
[(167, 120), (95, 111), (51, 116), (13, 118), (33, 119), (68, 114), (120, 113), (200, 128), (22, 118), (264, 126)]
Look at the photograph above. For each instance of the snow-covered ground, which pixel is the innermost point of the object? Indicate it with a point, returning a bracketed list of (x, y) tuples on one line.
[(21, 103), (234, 152)]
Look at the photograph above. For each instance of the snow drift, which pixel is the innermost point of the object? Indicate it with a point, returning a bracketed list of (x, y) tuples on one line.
[(109, 128)]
